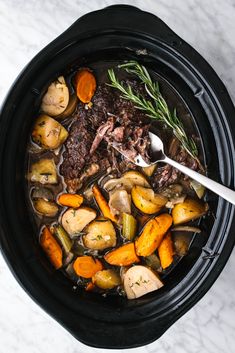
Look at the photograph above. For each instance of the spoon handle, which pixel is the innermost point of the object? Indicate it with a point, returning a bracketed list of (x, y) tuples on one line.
[(223, 191)]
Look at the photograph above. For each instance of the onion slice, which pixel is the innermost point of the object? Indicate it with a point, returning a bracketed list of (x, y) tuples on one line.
[(186, 229)]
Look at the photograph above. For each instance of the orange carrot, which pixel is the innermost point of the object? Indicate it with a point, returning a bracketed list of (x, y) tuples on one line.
[(165, 251), (152, 234), (103, 205), (123, 256), (90, 286), (87, 266), (70, 200), (51, 248), (85, 85)]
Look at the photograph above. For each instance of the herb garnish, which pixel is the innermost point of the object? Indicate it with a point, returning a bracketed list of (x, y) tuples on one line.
[(156, 108)]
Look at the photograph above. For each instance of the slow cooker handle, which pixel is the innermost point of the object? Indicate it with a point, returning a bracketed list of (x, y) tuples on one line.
[(123, 18)]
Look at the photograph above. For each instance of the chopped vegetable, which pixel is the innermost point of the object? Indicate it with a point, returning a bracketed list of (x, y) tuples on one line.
[(42, 193), (56, 99), (129, 226), (85, 85), (186, 229), (125, 255), (120, 183), (149, 170), (74, 221), (73, 100), (102, 203), (165, 251), (140, 280), (119, 202), (70, 200), (181, 243), (153, 234), (146, 201), (198, 188), (51, 248), (48, 133), (136, 178), (43, 171), (153, 262), (100, 234), (63, 238), (87, 266), (46, 208), (188, 210), (126, 182), (106, 279)]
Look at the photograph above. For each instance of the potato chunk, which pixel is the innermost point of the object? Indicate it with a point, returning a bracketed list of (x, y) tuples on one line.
[(74, 221), (146, 201), (140, 280), (136, 178), (188, 210), (46, 208), (56, 99), (100, 234), (48, 132), (43, 171)]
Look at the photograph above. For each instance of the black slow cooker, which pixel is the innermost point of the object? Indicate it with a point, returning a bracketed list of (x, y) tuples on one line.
[(118, 33)]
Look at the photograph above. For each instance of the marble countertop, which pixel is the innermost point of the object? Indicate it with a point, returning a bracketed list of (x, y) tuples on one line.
[(26, 27)]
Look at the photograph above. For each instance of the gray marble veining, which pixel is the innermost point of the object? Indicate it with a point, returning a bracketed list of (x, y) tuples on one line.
[(26, 27)]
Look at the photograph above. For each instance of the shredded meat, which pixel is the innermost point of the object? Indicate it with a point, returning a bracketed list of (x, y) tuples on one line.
[(166, 175), (111, 120)]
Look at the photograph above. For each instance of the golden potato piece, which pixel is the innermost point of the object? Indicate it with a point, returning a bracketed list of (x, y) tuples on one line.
[(56, 99), (43, 171), (136, 178), (74, 221), (46, 208), (48, 132), (106, 279), (100, 234), (146, 201), (188, 210)]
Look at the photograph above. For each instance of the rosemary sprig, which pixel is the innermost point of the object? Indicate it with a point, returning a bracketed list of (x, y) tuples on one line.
[(156, 108)]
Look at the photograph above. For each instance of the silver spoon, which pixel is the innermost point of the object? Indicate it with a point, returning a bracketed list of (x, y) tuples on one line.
[(158, 153)]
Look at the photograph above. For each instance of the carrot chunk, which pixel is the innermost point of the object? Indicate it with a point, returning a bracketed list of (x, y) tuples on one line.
[(153, 234), (51, 248), (102, 203), (85, 85), (165, 251), (123, 256), (87, 266), (70, 200)]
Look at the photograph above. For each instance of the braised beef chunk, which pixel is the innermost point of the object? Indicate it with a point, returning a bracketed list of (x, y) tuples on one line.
[(110, 120)]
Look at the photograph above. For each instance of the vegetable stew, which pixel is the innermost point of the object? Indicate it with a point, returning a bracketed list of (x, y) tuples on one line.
[(108, 225)]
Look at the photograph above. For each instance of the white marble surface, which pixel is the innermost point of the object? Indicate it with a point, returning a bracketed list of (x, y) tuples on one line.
[(27, 26)]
